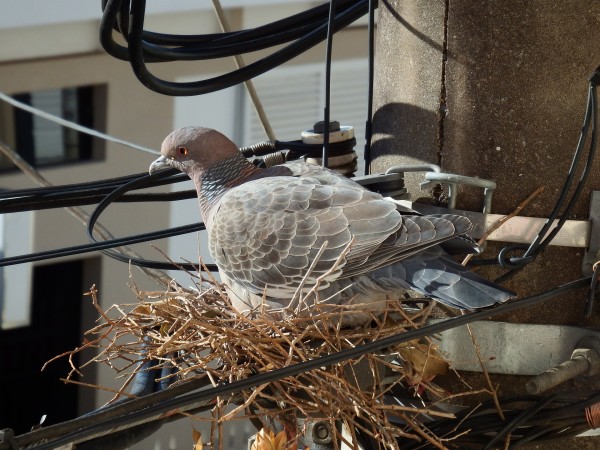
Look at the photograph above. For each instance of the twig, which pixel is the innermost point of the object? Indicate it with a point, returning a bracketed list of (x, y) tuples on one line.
[(486, 375), (504, 219)]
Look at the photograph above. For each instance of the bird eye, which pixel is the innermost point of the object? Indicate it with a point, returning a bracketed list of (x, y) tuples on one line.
[(182, 151)]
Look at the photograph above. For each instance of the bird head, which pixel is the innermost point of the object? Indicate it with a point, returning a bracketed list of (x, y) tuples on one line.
[(194, 149)]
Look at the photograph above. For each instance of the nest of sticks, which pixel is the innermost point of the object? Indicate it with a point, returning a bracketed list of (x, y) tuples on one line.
[(199, 333)]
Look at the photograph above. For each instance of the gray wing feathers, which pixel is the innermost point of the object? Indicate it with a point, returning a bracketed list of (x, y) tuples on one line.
[(266, 233), (437, 276)]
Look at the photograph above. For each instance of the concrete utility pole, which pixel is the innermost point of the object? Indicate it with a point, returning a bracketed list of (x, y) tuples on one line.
[(494, 89)]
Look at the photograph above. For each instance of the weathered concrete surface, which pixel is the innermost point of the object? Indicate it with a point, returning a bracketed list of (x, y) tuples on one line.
[(494, 89), (408, 68)]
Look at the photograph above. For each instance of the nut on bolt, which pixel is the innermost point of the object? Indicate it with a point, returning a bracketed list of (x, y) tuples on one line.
[(585, 360), (321, 433)]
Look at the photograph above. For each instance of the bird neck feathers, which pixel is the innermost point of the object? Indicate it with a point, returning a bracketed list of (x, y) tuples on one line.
[(215, 181)]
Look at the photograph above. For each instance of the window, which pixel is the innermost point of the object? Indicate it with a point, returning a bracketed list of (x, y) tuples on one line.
[(56, 322), (44, 143)]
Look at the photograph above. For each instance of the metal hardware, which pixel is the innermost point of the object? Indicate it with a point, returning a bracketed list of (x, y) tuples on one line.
[(593, 248), (345, 164), (511, 348), (585, 360), (321, 433), (519, 229), (414, 168), (453, 181), (387, 184), (315, 434)]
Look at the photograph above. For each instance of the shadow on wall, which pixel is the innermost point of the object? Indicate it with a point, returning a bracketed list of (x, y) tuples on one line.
[(404, 134)]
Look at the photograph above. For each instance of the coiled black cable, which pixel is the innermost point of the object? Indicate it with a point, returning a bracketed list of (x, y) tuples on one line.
[(305, 29)]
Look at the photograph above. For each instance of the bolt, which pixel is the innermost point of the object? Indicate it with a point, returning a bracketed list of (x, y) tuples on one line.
[(319, 127), (585, 360), (320, 433)]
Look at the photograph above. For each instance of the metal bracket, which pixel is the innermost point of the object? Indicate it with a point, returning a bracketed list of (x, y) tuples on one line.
[(592, 254), (389, 184), (452, 181), (316, 434), (511, 348), (519, 229)]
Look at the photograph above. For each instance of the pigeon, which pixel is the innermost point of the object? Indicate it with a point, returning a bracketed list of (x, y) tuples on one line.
[(297, 237)]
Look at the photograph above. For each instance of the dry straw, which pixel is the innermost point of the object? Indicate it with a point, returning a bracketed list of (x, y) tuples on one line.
[(198, 331)]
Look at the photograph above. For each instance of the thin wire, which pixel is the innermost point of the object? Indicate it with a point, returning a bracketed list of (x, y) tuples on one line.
[(239, 61), (72, 125), (369, 122), (544, 236), (326, 112)]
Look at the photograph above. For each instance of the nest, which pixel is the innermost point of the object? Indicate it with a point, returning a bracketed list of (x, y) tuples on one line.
[(198, 332)]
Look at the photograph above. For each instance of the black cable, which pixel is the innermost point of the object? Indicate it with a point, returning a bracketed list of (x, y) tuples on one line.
[(104, 192), (208, 46), (519, 419), (104, 245), (195, 398), (144, 47), (546, 234), (327, 109), (141, 181), (369, 121), (545, 418), (79, 194), (589, 306), (87, 193)]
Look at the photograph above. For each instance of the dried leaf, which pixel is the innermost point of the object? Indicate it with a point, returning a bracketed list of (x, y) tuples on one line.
[(164, 329), (426, 360), (266, 440), (197, 438)]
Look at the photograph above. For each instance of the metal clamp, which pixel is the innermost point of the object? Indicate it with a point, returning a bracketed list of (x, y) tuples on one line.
[(452, 181), (592, 253)]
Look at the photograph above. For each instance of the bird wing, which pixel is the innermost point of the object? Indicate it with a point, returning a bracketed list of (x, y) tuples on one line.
[(266, 233)]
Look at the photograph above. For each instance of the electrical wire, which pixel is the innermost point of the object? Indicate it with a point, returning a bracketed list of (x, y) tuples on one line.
[(527, 418), (303, 30), (327, 109), (73, 125), (550, 228), (369, 121), (105, 192)]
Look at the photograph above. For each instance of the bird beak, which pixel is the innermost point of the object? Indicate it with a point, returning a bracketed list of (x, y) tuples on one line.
[(160, 163)]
